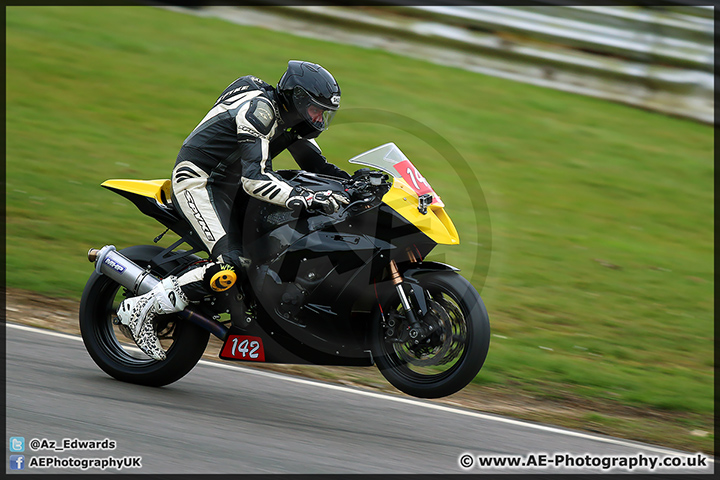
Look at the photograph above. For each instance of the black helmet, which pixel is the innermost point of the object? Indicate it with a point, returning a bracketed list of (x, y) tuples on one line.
[(310, 96)]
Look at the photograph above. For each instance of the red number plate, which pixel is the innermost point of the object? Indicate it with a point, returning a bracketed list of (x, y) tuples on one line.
[(413, 178), (242, 347), (416, 181)]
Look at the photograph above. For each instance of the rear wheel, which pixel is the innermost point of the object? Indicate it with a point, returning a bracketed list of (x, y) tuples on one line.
[(447, 359), (111, 346)]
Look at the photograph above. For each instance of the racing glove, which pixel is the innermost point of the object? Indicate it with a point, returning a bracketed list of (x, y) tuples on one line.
[(327, 201)]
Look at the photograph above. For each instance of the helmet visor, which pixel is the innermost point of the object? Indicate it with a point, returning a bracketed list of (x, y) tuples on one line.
[(312, 111)]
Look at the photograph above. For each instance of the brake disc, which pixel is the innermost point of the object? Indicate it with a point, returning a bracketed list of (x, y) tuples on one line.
[(459, 329), (432, 350)]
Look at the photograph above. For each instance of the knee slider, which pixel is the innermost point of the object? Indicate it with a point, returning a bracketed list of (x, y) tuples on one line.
[(219, 277)]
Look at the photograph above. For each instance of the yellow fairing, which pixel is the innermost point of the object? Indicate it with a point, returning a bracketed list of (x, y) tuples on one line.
[(436, 224), (160, 190)]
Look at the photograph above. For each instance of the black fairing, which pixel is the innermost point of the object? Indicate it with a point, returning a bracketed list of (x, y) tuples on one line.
[(163, 213), (316, 276)]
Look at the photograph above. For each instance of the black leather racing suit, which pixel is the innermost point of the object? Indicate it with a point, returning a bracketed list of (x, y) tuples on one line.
[(234, 145)]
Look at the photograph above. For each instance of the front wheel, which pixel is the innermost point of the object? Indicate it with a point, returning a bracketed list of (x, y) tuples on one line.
[(111, 345), (447, 359)]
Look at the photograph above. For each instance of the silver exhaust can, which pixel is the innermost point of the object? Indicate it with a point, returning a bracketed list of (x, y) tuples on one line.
[(110, 262)]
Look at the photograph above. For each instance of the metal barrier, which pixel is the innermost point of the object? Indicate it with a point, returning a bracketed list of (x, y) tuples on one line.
[(659, 58)]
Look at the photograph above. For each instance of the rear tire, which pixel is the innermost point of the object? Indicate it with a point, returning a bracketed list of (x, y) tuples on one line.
[(457, 354), (111, 353)]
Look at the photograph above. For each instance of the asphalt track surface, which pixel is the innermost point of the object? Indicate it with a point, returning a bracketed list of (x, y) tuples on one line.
[(229, 419)]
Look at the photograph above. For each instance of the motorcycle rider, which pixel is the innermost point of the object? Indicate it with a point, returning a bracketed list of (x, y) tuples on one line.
[(250, 123)]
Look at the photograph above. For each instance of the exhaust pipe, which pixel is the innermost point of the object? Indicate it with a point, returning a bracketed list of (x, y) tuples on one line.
[(108, 261), (124, 271), (216, 328)]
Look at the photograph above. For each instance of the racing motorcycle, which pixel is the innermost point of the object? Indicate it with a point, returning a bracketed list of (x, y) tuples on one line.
[(350, 288)]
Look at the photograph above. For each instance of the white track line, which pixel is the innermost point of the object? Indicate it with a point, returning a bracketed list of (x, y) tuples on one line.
[(392, 398)]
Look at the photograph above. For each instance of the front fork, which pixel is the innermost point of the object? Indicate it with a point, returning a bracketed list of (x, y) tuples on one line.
[(415, 331)]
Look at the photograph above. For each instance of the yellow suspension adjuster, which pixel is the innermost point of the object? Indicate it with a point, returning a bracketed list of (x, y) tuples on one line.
[(223, 279)]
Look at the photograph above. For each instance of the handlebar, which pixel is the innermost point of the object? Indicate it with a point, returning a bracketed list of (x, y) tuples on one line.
[(365, 189)]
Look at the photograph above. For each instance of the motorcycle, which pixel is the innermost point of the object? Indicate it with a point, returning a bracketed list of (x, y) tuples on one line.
[(350, 288)]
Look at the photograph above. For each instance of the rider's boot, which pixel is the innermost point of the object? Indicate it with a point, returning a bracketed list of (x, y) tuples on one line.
[(169, 296), (138, 314)]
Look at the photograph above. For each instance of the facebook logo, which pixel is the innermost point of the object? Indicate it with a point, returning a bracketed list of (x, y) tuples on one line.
[(17, 462), (17, 444)]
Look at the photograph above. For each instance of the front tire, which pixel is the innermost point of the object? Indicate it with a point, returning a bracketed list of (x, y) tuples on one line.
[(452, 356), (114, 353)]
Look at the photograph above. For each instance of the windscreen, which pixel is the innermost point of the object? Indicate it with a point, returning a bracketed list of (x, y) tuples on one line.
[(391, 160)]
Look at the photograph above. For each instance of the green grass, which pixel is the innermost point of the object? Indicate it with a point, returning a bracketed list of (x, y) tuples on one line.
[(599, 241)]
